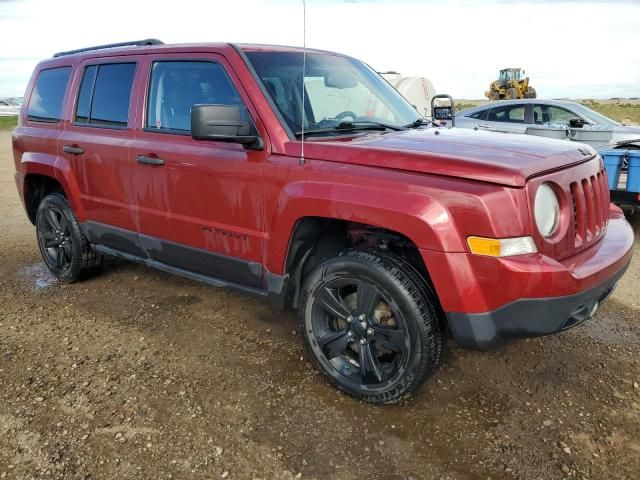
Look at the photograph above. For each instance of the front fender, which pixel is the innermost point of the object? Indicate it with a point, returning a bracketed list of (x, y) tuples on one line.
[(422, 219)]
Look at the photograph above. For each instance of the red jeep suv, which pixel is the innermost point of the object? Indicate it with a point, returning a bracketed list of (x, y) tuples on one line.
[(305, 178)]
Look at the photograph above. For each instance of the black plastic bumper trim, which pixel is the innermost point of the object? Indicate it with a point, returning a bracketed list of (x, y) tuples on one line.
[(529, 317)]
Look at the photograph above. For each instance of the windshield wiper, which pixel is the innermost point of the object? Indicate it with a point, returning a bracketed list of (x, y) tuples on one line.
[(420, 122), (352, 126)]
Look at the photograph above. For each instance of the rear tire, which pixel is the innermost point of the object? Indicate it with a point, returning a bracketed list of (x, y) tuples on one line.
[(530, 93), (64, 248), (369, 325)]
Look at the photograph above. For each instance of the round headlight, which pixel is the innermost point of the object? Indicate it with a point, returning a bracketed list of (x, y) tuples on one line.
[(546, 210)]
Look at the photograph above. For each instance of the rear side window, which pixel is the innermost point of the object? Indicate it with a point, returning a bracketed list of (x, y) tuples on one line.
[(45, 104), (105, 94), (507, 113), (177, 85)]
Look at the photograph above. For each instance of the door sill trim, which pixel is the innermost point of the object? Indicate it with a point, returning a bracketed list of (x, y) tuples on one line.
[(198, 277)]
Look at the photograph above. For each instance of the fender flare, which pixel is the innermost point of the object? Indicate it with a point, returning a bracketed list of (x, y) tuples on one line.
[(58, 169), (423, 220)]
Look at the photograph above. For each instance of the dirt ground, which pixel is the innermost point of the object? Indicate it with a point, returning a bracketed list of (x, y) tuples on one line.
[(139, 374)]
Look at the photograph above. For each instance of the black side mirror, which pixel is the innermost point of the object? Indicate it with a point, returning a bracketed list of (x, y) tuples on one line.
[(577, 123), (222, 123)]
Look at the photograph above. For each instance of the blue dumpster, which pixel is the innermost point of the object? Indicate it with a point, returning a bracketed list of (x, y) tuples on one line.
[(613, 160), (633, 175)]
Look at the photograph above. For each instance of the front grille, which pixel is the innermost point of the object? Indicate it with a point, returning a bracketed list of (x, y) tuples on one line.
[(590, 198)]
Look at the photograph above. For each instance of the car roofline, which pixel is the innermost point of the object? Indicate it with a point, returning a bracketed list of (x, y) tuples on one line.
[(524, 101)]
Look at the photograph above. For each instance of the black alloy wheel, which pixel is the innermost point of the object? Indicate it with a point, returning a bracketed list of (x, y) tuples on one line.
[(369, 325), (54, 236), (64, 248)]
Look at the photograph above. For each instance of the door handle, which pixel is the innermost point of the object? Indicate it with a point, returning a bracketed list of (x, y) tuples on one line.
[(73, 150), (149, 160)]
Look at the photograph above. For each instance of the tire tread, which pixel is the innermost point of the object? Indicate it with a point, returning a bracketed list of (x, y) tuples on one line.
[(416, 288)]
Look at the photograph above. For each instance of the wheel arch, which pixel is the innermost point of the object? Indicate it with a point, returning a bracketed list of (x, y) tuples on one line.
[(423, 220), (315, 239), (36, 187), (42, 175)]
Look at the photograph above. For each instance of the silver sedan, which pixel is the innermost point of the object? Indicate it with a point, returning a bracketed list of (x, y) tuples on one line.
[(515, 116), (9, 107)]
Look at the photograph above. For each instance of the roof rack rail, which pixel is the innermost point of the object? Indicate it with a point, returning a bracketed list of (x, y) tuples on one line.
[(135, 43)]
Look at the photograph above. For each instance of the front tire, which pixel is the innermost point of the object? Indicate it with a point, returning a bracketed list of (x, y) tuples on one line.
[(512, 94), (369, 325), (64, 248)]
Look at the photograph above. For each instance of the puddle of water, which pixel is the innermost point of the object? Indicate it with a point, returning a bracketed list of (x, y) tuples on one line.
[(38, 275)]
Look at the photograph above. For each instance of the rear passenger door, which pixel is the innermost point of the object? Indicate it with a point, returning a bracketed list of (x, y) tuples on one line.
[(199, 203), (96, 143)]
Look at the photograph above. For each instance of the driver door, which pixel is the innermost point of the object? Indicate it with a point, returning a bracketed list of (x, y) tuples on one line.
[(199, 204)]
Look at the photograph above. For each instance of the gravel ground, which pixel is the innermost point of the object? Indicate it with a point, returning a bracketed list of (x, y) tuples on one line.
[(139, 374)]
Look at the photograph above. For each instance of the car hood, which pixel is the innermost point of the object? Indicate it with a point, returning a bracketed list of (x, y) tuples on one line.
[(625, 133), (505, 159)]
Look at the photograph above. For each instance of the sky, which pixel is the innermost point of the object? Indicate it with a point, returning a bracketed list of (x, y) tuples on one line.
[(569, 48)]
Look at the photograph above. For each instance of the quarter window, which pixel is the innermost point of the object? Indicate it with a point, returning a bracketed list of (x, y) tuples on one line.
[(478, 115), (45, 104), (178, 85), (105, 94)]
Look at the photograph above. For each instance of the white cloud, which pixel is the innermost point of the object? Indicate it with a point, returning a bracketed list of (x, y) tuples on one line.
[(570, 48)]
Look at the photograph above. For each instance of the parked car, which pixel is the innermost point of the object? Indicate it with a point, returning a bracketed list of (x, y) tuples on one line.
[(8, 107), (517, 115), (383, 232)]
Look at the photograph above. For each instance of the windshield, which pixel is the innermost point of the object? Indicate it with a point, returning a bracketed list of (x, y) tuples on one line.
[(595, 117), (337, 90), (509, 75)]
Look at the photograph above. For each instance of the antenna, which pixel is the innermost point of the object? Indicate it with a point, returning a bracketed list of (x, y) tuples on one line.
[(304, 68)]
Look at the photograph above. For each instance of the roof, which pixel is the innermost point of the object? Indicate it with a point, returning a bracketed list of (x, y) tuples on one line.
[(155, 46), (538, 101)]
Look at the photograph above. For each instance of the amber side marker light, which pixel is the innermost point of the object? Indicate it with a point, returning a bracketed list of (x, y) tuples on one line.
[(501, 247)]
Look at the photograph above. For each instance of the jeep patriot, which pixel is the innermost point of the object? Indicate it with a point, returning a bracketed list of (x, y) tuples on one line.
[(322, 189)]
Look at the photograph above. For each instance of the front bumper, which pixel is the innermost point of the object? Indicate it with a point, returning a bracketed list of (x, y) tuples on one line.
[(529, 317), (490, 300)]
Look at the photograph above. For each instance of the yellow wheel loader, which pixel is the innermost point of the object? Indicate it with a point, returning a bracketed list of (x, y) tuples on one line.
[(511, 84)]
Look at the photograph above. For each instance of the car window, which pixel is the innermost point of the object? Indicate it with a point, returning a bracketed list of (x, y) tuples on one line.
[(46, 99), (560, 115), (3, 103), (178, 85), (478, 115), (334, 90), (551, 114), (540, 115), (507, 113), (84, 97), (105, 94)]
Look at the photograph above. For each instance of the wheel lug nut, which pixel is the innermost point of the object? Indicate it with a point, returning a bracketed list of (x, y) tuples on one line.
[(363, 341), (369, 331), (361, 317), (349, 319)]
